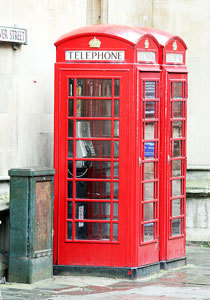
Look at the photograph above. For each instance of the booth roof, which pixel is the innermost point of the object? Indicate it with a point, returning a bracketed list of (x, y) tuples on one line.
[(129, 34)]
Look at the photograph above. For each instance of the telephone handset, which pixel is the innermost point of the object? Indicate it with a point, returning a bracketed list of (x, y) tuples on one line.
[(84, 149)]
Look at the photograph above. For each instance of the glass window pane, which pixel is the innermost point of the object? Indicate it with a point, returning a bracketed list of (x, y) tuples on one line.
[(177, 109), (94, 87), (96, 169), (70, 189), (69, 230), (70, 128), (115, 211), (177, 89), (93, 210), (149, 211), (149, 110), (115, 232), (176, 168), (177, 148), (176, 207), (92, 231), (116, 169), (116, 189), (97, 149), (116, 108), (176, 227), (176, 188), (148, 232), (149, 89), (69, 209), (94, 108), (116, 87), (93, 128), (71, 87), (116, 149), (71, 108), (149, 131), (93, 190), (177, 129), (70, 149), (116, 128), (149, 170), (148, 191)]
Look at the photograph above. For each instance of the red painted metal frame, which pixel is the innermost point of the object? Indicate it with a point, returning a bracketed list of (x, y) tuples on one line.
[(130, 250)]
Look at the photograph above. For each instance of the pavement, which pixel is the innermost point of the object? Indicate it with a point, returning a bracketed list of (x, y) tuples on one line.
[(188, 282)]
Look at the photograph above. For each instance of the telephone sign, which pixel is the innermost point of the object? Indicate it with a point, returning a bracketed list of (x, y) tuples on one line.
[(119, 202)]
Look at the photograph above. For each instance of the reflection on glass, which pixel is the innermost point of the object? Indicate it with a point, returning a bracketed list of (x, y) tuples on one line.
[(177, 109), (149, 131), (116, 87), (94, 87), (69, 210), (116, 189), (116, 128), (150, 110), (93, 190), (148, 232), (177, 90), (69, 230), (91, 148), (71, 87), (176, 168), (93, 128), (177, 129), (176, 227), (116, 149), (70, 128), (148, 211), (115, 211), (93, 210), (176, 188), (94, 108), (148, 191), (149, 89), (116, 108), (177, 148), (149, 170), (92, 231), (115, 232), (71, 108), (176, 207), (70, 189)]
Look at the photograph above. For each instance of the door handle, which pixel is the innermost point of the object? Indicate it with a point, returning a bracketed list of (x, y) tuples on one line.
[(139, 161), (169, 159)]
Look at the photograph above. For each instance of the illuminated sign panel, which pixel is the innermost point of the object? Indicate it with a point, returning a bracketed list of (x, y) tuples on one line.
[(146, 56)]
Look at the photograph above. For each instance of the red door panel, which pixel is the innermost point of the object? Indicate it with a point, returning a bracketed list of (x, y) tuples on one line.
[(91, 165), (176, 164), (149, 152)]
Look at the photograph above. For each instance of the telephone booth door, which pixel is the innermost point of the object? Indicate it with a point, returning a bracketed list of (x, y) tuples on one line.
[(176, 163), (91, 158), (149, 161)]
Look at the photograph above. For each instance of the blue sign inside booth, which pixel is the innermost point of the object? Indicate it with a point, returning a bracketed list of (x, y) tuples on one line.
[(149, 149)]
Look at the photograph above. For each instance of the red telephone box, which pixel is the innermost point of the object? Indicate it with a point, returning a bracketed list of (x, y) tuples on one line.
[(119, 160)]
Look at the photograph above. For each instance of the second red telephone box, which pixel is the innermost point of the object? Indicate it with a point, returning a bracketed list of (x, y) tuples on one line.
[(120, 161)]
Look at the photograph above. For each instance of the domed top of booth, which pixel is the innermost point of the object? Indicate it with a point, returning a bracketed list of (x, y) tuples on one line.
[(113, 37), (126, 33)]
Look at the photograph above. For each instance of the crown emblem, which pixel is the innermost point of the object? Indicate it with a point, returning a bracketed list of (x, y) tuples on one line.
[(95, 43), (175, 46), (146, 44)]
